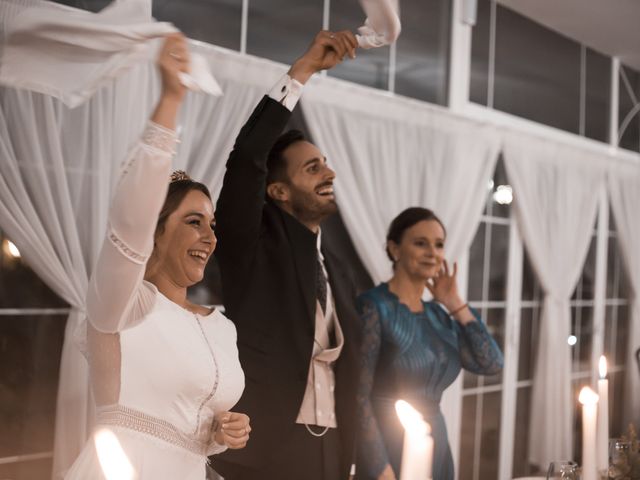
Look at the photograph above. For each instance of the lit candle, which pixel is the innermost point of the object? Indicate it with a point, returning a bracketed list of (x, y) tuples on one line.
[(603, 417), (417, 451), (589, 400), (114, 462)]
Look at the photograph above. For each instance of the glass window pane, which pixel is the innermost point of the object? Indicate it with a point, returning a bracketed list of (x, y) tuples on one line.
[(537, 72), (529, 327), (422, 51), (30, 349), (610, 332), (521, 467), (531, 289), (496, 325), (584, 289), (480, 54), (21, 287), (499, 262), (582, 328), (617, 426), (628, 97), (624, 287), (598, 86), (613, 267), (476, 264), (370, 67), (622, 335), (490, 440), (281, 30), (467, 436), (212, 21)]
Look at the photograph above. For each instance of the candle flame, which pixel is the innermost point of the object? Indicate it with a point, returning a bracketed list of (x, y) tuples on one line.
[(412, 420), (113, 460), (602, 366), (10, 249), (588, 396)]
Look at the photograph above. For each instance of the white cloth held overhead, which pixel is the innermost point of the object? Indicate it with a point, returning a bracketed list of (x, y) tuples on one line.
[(94, 47), (382, 26)]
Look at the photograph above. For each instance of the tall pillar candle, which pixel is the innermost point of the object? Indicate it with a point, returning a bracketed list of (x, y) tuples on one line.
[(589, 400), (417, 451), (603, 418)]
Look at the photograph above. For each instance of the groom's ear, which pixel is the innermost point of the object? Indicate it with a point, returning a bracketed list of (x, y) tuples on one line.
[(278, 191)]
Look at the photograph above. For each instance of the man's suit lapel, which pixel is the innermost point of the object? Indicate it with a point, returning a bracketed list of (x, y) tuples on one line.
[(303, 246)]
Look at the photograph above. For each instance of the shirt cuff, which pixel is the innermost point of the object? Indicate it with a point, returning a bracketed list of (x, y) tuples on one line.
[(287, 91)]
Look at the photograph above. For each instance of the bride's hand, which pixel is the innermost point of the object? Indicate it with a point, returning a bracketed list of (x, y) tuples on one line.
[(173, 59), (233, 430)]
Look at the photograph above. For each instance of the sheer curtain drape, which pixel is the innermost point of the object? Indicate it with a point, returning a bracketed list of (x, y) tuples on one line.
[(624, 194), (555, 201), (390, 153), (57, 172)]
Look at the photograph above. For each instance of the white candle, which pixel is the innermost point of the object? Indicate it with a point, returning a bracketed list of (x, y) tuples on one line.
[(417, 451), (603, 417), (589, 400), (113, 460)]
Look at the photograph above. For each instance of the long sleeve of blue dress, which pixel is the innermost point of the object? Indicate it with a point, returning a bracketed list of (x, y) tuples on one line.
[(413, 356), (374, 449), (479, 352)]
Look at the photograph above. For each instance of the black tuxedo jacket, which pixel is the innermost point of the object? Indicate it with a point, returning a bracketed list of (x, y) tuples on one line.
[(268, 266)]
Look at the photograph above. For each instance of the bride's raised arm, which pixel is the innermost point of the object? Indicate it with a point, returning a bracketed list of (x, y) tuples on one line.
[(116, 298)]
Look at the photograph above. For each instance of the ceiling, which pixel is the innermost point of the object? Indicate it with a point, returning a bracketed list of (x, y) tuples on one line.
[(608, 26)]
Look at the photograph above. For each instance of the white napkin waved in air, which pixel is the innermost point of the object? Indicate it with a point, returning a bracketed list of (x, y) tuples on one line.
[(69, 53), (382, 26)]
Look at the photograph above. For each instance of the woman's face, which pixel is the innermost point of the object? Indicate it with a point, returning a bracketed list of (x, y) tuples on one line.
[(185, 245), (421, 250)]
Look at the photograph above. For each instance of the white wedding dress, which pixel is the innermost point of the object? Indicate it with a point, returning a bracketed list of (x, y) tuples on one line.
[(159, 373)]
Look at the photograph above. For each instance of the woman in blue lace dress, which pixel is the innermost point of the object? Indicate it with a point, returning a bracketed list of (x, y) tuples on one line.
[(413, 350)]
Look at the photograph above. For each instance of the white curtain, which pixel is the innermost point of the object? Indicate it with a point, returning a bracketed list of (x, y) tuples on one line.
[(624, 193), (56, 176), (555, 191), (390, 153), (56, 170)]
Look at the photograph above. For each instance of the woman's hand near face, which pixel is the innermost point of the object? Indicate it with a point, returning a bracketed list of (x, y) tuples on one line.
[(444, 289), (172, 60), (233, 430)]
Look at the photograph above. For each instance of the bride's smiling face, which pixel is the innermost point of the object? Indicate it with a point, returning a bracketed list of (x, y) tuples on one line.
[(184, 244)]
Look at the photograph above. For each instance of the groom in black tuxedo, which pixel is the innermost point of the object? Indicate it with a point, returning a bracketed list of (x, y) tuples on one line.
[(291, 299)]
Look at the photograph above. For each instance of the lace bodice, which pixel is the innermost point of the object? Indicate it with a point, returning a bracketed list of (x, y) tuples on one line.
[(413, 356)]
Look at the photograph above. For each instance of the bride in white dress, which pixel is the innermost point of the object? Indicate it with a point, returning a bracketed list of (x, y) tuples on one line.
[(164, 371)]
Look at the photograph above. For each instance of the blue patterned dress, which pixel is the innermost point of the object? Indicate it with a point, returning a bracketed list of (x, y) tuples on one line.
[(414, 357)]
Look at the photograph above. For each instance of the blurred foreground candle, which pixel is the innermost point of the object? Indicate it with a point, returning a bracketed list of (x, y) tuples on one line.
[(589, 400), (417, 452), (603, 417), (113, 461)]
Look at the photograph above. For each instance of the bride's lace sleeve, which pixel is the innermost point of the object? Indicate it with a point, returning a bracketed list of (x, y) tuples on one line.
[(115, 298), (372, 453)]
